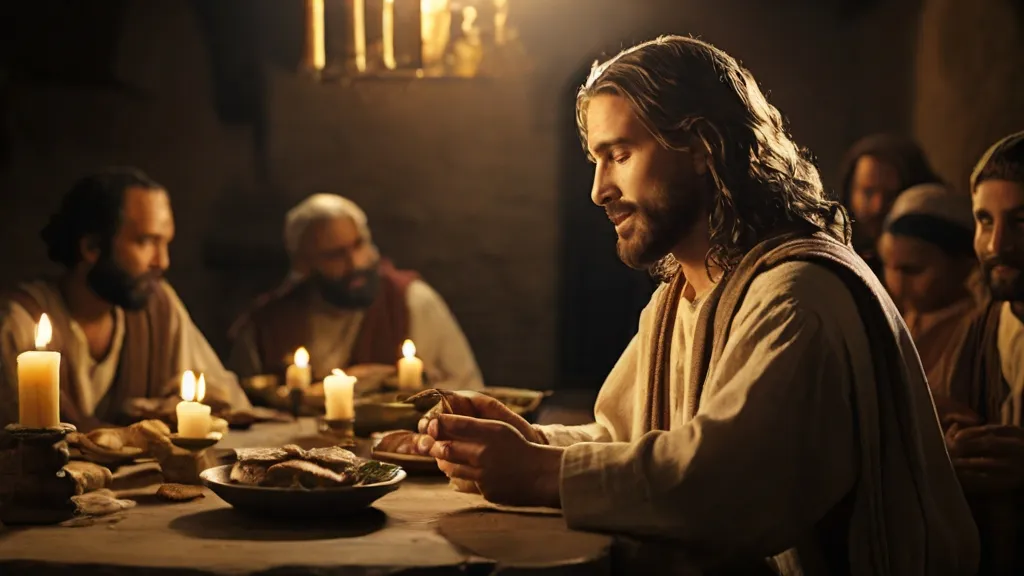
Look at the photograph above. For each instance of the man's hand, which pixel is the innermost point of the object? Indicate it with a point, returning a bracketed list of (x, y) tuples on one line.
[(988, 458), (482, 406), (506, 467)]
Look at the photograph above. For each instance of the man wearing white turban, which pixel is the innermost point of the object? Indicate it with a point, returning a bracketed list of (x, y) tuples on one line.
[(348, 306), (927, 251)]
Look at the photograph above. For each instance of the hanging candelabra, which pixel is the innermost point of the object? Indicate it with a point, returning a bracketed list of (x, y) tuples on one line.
[(424, 38)]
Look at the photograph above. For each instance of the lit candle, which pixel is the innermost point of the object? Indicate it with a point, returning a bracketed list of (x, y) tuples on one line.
[(315, 56), (39, 381), (359, 33), (338, 393), (193, 417), (410, 368), (299, 374), (388, 33)]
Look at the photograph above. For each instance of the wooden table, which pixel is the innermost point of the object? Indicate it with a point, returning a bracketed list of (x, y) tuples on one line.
[(422, 528)]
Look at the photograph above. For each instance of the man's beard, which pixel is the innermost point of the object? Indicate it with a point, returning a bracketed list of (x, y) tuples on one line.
[(115, 285), (659, 224), (1005, 289), (355, 290)]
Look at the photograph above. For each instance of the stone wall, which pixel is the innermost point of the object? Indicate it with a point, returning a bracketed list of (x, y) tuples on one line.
[(969, 82)]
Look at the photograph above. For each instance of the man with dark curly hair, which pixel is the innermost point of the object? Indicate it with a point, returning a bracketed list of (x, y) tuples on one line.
[(122, 331), (771, 415)]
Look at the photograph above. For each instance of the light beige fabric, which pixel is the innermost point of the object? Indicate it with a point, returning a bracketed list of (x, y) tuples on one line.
[(772, 419), (773, 444), (17, 333), (1010, 340)]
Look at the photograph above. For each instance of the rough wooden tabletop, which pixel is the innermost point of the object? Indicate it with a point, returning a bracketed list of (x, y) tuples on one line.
[(422, 528)]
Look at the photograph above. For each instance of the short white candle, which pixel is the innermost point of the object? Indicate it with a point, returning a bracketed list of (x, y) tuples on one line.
[(193, 417), (338, 395), (299, 374), (410, 368), (39, 381)]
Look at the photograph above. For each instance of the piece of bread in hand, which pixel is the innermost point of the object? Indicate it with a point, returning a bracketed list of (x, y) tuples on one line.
[(432, 401)]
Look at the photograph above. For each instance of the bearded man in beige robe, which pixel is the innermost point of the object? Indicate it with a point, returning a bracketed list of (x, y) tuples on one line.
[(124, 335), (983, 402), (771, 415)]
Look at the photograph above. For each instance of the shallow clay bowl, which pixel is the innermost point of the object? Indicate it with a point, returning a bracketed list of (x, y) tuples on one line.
[(296, 502)]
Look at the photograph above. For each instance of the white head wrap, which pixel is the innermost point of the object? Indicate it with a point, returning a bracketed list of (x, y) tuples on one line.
[(935, 200), (321, 207)]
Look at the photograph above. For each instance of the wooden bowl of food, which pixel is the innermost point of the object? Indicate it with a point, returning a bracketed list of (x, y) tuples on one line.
[(297, 483)]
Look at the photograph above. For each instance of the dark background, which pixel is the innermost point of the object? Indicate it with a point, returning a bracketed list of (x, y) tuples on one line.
[(479, 184)]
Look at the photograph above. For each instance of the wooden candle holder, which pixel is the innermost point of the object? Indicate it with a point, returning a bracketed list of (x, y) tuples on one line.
[(34, 487)]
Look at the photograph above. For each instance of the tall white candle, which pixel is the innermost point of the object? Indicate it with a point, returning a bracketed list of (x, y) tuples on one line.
[(359, 33), (338, 395), (39, 381), (193, 417), (299, 374), (388, 34), (315, 55), (410, 368)]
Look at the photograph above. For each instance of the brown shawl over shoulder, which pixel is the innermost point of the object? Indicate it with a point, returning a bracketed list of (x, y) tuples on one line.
[(281, 322), (143, 369), (978, 382), (977, 378), (894, 434)]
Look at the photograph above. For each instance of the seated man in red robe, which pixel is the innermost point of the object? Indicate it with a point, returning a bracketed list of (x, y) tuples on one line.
[(347, 306)]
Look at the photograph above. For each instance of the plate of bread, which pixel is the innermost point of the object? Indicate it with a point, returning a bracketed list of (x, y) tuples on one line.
[(291, 481)]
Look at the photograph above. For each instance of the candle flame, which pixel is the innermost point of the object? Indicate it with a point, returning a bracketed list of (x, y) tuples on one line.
[(301, 357), (201, 388), (408, 349), (338, 372), (44, 332), (188, 386)]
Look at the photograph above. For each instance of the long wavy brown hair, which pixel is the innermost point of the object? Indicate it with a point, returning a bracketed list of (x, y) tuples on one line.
[(688, 92)]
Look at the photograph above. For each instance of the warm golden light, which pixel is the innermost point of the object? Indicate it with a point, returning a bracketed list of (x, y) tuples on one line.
[(388, 32), (44, 332), (188, 386), (338, 372), (469, 15), (315, 56), (500, 22), (359, 29), (301, 357), (201, 388), (435, 31), (408, 349)]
